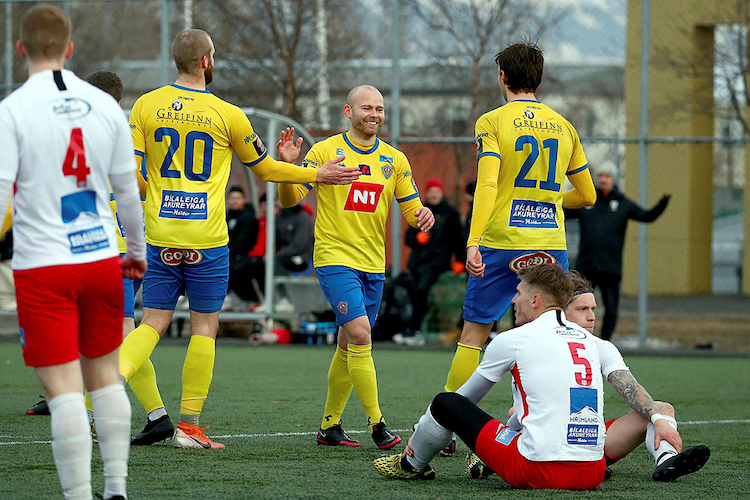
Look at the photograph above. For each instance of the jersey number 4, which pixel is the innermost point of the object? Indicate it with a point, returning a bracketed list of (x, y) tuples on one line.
[(587, 377), (75, 159), (533, 142)]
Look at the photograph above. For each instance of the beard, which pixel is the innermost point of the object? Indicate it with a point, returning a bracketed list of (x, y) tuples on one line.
[(208, 74)]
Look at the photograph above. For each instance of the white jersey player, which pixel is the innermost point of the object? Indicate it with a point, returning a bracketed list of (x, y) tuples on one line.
[(557, 370), (62, 141)]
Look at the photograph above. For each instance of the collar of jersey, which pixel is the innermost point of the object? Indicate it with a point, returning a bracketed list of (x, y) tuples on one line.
[(525, 100), (190, 90), (358, 150)]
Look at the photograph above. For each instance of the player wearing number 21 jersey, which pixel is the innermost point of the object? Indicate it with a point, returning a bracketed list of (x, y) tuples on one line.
[(349, 254), (186, 136), (525, 150)]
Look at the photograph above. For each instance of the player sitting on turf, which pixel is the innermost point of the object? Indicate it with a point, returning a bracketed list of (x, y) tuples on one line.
[(626, 433)]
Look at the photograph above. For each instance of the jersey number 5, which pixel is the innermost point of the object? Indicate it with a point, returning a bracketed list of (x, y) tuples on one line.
[(75, 159), (521, 180), (587, 377)]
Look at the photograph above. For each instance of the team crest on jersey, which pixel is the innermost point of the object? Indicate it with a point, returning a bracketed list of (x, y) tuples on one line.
[(176, 105), (528, 114), (387, 171), (363, 197), (364, 169), (530, 259), (343, 307)]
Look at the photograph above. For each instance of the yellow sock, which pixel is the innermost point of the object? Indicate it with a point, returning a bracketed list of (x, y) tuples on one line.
[(197, 373), (362, 373), (136, 348), (339, 389), (143, 384), (465, 361)]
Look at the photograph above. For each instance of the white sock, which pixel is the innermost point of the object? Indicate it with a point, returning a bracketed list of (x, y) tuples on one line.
[(429, 438), (156, 414), (71, 444), (665, 450), (112, 417)]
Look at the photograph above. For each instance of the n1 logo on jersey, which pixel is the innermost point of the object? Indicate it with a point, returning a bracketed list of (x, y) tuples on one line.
[(364, 197)]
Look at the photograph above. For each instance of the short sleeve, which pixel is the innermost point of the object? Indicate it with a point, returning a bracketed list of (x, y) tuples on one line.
[(137, 129), (486, 137), (578, 161), (406, 186), (245, 142), (609, 357), (8, 145), (122, 155), (499, 357)]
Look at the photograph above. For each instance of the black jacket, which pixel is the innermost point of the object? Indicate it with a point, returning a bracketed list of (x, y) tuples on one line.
[(243, 231), (445, 239), (294, 234), (603, 228)]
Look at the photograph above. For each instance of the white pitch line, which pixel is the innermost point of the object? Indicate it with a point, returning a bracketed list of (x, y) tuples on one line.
[(292, 434)]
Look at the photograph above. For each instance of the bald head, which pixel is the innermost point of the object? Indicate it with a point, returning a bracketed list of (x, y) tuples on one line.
[(359, 92), (189, 48)]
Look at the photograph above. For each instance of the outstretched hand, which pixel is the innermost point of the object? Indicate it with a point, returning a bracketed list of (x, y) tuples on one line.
[(333, 173), (287, 147)]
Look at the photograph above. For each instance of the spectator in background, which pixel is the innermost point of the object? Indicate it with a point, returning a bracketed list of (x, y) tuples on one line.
[(243, 234), (294, 248), (603, 228), (431, 256)]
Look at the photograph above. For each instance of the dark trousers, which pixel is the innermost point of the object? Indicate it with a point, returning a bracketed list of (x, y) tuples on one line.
[(424, 279), (609, 285)]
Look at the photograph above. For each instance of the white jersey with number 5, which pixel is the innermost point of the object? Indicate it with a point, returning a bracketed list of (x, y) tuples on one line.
[(557, 370), (61, 138)]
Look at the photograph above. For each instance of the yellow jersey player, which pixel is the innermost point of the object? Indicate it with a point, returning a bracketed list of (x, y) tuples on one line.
[(186, 136), (349, 254), (525, 150)]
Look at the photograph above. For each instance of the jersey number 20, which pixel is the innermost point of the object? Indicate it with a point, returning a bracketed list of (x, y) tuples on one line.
[(174, 145), (533, 142)]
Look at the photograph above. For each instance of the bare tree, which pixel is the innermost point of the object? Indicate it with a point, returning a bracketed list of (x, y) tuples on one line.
[(473, 30), (270, 45)]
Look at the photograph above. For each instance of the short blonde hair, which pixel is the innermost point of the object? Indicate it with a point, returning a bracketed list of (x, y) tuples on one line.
[(551, 280), (188, 49), (45, 32)]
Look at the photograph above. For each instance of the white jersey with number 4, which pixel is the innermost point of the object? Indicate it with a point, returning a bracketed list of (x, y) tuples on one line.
[(557, 370), (61, 138)]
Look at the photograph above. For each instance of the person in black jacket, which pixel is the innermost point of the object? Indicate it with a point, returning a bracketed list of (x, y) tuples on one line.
[(431, 256), (243, 231), (603, 228)]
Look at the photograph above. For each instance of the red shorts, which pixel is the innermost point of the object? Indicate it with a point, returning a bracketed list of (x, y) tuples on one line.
[(610, 460), (519, 472), (67, 309)]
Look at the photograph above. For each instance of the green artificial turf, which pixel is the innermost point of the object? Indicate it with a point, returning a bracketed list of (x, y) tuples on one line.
[(259, 392)]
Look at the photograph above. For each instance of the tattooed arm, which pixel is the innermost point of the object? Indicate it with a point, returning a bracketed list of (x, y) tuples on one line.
[(634, 393)]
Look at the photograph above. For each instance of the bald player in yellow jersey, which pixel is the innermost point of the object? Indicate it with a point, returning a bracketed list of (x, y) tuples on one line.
[(349, 254), (525, 150), (187, 136)]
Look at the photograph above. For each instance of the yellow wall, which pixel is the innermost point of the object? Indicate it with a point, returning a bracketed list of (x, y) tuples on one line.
[(680, 105)]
